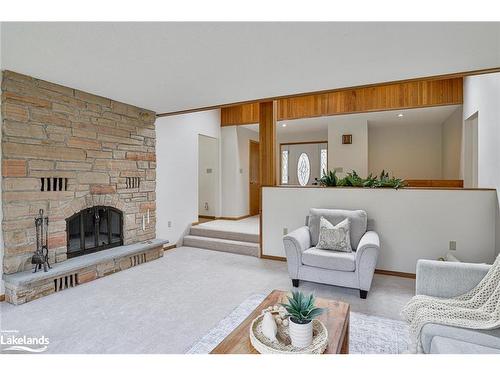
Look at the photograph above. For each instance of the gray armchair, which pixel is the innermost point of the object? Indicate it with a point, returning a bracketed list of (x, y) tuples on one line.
[(353, 270), (446, 280)]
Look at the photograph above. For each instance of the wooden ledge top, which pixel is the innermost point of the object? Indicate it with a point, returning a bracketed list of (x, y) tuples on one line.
[(377, 189)]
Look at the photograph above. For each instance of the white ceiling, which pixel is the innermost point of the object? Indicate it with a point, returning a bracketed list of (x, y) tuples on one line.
[(432, 116), (169, 67), (419, 116)]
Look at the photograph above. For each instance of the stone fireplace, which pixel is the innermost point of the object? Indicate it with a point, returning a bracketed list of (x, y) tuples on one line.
[(89, 162)]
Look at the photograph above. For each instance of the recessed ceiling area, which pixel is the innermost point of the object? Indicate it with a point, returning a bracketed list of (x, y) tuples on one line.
[(168, 67), (417, 116)]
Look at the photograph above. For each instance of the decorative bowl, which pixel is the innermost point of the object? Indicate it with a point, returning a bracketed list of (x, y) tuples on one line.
[(283, 343)]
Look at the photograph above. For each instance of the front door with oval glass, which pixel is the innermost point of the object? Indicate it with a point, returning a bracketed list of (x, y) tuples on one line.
[(301, 164)]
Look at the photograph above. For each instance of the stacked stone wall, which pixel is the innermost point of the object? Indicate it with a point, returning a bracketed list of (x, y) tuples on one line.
[(92, 144)]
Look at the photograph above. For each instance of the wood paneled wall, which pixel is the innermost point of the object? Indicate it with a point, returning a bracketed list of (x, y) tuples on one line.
[(267, 142), (240, 114), (410, 94)]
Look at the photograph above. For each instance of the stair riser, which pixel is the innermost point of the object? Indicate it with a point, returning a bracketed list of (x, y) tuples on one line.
[(218, 246), (244, 237)]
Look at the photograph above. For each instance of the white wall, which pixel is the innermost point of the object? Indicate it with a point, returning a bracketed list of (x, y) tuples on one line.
[(406, 151), (451, 145), (235, 143), (229, 167), (177, 169), (349, 157), (412, 223), (208, 175), (482, 95)]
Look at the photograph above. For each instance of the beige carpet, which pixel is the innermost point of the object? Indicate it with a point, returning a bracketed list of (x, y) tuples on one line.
[(247, 225), (167, 305)]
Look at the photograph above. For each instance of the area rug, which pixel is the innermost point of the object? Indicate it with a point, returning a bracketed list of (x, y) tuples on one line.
[(368, 334)]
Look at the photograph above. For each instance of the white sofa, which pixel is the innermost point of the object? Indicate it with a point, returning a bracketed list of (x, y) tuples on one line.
[(353, 269), (446, 280)]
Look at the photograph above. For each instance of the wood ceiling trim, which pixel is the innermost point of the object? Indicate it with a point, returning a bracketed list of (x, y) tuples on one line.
[(403, 95)]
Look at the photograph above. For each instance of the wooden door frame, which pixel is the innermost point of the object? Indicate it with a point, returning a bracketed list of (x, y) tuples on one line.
[(249, 195), (299, 143)]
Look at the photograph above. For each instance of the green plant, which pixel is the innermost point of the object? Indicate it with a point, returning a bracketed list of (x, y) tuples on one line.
[(354, 180), (385, 181), (328, 179), (301, 308), (370, 181)]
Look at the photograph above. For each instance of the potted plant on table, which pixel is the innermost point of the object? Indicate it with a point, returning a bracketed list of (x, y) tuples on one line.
[(301, 312)]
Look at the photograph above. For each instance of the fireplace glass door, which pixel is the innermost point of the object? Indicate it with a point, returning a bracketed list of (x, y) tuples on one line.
[(94, 229)]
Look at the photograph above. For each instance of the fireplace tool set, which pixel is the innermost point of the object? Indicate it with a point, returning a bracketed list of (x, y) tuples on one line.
[(41, 256)]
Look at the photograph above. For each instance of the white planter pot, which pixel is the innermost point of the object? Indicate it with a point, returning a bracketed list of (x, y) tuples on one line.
[(301, 334)]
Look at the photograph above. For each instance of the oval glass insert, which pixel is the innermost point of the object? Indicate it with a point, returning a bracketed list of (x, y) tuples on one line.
[(303, 169)]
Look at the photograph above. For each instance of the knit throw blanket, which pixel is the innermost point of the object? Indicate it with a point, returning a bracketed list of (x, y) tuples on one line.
[(476, 309)]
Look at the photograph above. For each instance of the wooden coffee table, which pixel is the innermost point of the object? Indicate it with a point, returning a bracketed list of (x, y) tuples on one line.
[(335, 319)]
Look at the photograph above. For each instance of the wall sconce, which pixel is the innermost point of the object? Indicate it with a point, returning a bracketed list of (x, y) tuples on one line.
[(347, 139)]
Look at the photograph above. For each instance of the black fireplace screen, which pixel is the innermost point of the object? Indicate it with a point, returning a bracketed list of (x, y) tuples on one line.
[(94, 229)]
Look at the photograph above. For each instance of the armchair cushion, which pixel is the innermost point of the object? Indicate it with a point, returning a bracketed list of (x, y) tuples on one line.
[(357, 220), (328, 259)]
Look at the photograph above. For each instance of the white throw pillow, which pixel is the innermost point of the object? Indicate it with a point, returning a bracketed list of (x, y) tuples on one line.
[(334, 237)]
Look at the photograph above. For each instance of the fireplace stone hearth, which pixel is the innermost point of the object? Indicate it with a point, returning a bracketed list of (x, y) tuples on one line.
[(27, 286)]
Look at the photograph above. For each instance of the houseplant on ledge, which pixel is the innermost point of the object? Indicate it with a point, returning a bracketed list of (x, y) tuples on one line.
[(352, 179), (301, 312)]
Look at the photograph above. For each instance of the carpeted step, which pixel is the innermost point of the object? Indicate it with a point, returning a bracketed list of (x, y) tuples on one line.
[(220, 244), (199, 230)]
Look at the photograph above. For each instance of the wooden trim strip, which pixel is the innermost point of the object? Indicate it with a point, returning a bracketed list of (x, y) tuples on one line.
[(221, 218), (233, 218), (396, 273), (273, 257), (400, 189), (206, 217), (436, 77), (435, 183), (166, 248)]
